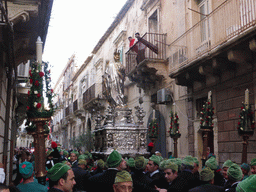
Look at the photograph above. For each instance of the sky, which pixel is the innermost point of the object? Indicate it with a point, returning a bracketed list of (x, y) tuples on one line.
[(75, 28)]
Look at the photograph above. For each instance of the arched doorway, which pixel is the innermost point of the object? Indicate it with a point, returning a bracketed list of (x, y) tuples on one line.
[(160, 144)]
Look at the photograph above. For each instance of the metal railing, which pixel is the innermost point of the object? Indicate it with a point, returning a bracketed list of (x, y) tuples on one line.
[(156, 40), (227, 21), (89, 94)]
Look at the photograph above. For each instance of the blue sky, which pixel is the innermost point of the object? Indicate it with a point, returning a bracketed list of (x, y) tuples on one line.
[(76, 27)]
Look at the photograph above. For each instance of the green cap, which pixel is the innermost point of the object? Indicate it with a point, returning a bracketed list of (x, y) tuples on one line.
[(57, 171), (212, 163), (131, 162), (100, 163), (26, 169), (171, 165), (227, 163), (162, 164), (188, 160), (246, 167), (206, 174), (82, 162), (196, 161), (155, 159), (114, 159), (48, 153), (235, 172), (123, 176), (247, 185), (253, 162), (75, 152), (81, 157), (65, 153), (140, 163)]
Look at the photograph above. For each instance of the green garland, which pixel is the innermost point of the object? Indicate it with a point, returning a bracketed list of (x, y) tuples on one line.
[(206, 115), (246, 116), (174, 125), (35, 107), (153, 129)]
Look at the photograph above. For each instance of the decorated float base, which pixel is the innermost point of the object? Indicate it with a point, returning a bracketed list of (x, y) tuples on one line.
[(122, 134)]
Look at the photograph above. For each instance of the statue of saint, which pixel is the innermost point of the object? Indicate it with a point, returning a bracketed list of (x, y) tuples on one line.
[(113, 80)]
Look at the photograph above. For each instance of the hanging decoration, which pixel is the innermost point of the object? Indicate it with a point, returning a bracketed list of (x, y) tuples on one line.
[(174, 125), (206, 115), (246, 123)]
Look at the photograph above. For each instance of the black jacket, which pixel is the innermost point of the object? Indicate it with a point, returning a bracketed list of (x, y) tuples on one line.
[(207, 188), (141, 182), (81, 178), (103, 181)]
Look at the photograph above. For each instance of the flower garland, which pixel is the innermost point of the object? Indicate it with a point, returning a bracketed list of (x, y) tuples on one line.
[(35, 107), (153, 129), (174, 125), (246, 116), (206, 115)]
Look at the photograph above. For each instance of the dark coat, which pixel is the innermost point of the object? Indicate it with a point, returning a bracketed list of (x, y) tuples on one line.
[(74, 164), (56, 155), (55, 190), (207, 188), (159, 180), (103, 181), (81, 178), (184, 182), (141, 182), (218, 179), (231, 188)]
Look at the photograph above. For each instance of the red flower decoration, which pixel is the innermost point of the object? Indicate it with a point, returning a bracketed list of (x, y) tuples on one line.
[(49, 71), (31, 81), (209, 103), (28, 93), (30, 73), (28, 107), (242, 108), (23, 166), (41, 74), (37, 83), (52, 90), (38, 105), (38, 95), (239, 123)]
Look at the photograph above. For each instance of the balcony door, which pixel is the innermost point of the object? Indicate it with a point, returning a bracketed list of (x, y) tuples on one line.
[(204, 24)]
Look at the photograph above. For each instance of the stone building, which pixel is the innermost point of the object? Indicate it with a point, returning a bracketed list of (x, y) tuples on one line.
[(21, 24), (194, 50)]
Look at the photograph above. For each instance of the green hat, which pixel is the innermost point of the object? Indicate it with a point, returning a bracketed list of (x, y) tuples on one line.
[(206, 174), (188, 160), (57, 171), (131, 162), (235, 172), (114, 159), (253, 162), (81, 157), (59, 149), (212, 163), (140, 163), (86, 157), (123, 176), (155, 159), (196, 161), (75, 152), (82, 162), (162, 164), (26, 169), (100, 163), (246, 167), (247, 185), (227, 163), (171, 165), (65, 153), (178, 161)]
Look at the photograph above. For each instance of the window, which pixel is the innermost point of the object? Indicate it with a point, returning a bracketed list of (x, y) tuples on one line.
[(199, 105), (204, 25), (153, 22)]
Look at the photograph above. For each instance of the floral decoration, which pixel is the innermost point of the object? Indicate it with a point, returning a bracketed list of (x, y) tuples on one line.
[(153, 129), (174, 125), (206, 115), (246, 120)]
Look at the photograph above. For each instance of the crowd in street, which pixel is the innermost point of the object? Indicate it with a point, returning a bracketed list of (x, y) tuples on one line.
[(81, 171)]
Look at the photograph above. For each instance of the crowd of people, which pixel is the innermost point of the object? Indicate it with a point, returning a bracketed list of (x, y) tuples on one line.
[(81, 171)]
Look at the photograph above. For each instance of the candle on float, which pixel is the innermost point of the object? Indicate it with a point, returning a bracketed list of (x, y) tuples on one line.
[(246, 98), (39, 50), (210, 96), (154, 114)]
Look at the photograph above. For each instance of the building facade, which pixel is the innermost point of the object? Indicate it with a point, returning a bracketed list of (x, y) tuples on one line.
[(192, 49)]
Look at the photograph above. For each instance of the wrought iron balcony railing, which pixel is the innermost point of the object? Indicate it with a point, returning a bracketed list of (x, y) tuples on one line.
[(89, 94), (229, 20), (155, 50)]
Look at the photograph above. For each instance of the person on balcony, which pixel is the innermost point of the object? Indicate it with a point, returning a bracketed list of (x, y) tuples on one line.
[(141, 49)]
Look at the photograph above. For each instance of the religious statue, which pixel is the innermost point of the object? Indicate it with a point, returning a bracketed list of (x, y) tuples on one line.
[(113, 80)]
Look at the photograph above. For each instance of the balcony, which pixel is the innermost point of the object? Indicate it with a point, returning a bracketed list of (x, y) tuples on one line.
[(78, 111), (226, 26), (69, 113), (147, 69)]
